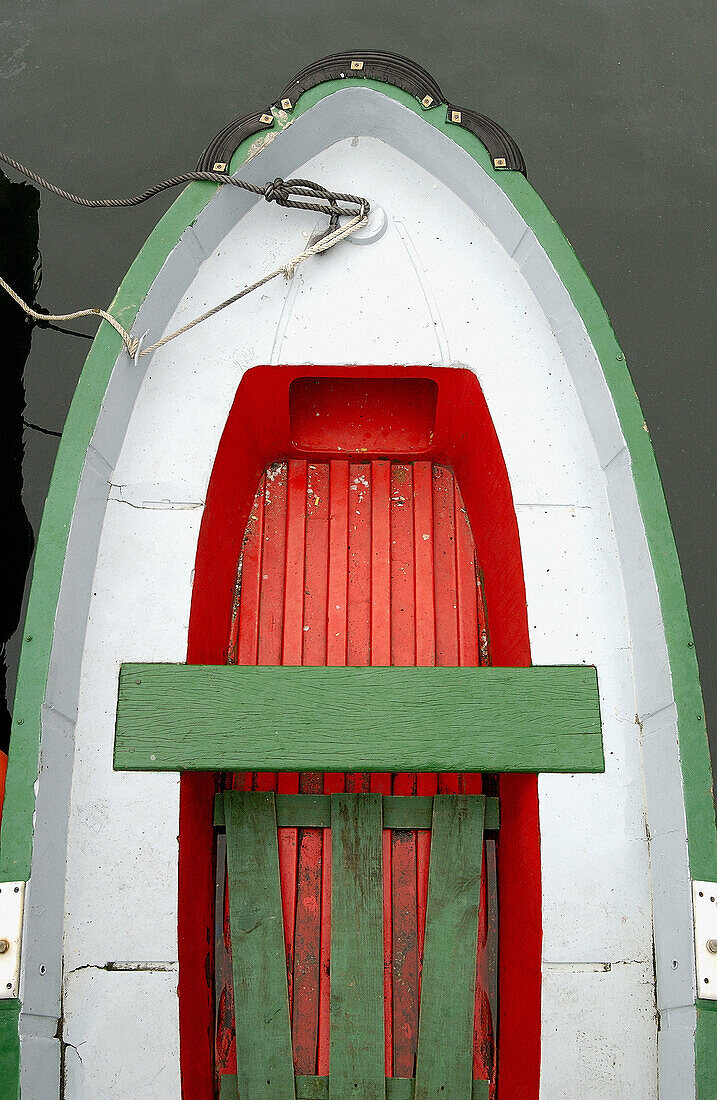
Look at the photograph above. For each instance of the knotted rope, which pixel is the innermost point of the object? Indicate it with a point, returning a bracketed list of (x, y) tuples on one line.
[(290, 194), (287, 270), (279, 191)]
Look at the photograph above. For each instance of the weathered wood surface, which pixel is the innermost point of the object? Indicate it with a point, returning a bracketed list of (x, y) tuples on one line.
[(261, 1001), (356, 1059), (399, 811), (444, 1061), (317, 1088), (233, 718)]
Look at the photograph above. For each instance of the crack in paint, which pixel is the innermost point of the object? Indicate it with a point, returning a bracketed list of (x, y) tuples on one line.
[(130, 967)]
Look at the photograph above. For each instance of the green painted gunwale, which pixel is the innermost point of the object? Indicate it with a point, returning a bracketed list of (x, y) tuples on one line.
[(16, 838)]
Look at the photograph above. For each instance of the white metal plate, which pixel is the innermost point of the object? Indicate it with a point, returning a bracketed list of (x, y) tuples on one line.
[(12, 895), (705, 902)]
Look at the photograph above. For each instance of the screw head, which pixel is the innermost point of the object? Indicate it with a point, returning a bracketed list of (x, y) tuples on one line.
[(712, 947), (4, 946)]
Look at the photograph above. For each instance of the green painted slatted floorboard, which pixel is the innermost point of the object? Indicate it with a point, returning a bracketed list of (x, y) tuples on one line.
[(317, 1088), (356, 1029), (445, 1040), (410, 811), (444, 1059), (265, 1057)]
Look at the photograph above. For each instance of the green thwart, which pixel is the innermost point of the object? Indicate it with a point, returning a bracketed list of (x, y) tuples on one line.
[(233, 718)]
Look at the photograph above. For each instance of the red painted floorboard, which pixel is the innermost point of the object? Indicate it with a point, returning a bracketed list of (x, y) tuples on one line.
[(356, 563)]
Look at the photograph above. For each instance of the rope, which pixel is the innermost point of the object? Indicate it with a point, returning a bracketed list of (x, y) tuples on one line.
[(126, 338), (132, 343), (279, 191), (287, 270), (334, 203)]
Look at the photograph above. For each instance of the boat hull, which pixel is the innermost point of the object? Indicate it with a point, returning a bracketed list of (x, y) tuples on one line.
[(471, 271)]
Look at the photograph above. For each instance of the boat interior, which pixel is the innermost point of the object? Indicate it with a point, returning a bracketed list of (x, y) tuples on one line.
[(381, 532)]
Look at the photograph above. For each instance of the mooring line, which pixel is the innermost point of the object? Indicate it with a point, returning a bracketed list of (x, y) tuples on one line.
[(333, 203)]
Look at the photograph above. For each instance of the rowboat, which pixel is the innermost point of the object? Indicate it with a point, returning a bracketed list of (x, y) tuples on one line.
[(358, 747)]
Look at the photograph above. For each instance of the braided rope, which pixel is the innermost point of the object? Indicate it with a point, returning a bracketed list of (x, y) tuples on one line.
[(132, 343), (287, 270), (126, 338), (279, 191)]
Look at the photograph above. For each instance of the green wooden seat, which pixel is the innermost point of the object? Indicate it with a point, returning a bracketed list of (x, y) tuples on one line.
[(444, 1061)]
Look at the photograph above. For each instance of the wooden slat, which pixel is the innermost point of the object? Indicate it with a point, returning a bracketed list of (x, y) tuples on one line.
[(356, 1063), (293, 637), (244, 643), (317, 1088), (399, 811), (263, 1035), (467, 586), (288, 841), (338, 550), (316, 565), (358, 651), (382, 632), (274, 583), (444, 1060), (401, 919), (444, 565), (359, 565), (403, 573), (273, 567), (322, 1052), (380, 563), (423, 559), (314, 506), (307, 950), (404, 944), (336, 654), (217, 718), (381, 783)]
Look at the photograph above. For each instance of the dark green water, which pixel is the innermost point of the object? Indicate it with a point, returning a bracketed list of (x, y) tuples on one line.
[(610, 102)]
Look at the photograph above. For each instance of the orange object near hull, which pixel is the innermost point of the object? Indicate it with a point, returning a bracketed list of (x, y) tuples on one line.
[(382, 532)]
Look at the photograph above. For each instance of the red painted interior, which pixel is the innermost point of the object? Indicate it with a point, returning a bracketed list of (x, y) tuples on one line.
[(356, 415), (407, 599), (355, 562)]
